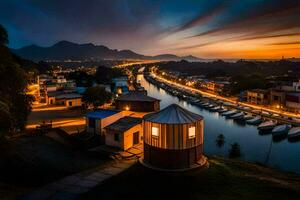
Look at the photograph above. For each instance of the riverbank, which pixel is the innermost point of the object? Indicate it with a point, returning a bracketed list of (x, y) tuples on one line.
[(224, 179), (185, 93)]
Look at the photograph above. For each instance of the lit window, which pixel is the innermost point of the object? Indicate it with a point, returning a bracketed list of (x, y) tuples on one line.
[(192, 132), (155, 132)]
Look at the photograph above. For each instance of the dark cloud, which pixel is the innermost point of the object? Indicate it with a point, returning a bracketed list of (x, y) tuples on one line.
[(141, 25)]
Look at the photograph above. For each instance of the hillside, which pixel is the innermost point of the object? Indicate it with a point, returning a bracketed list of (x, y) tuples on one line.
[(224, 179), (65, 50)]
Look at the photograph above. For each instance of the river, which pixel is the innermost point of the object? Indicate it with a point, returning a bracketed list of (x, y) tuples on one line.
[(283, 155)]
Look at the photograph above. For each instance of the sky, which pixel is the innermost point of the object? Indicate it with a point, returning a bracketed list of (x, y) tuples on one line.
[(249, 29)]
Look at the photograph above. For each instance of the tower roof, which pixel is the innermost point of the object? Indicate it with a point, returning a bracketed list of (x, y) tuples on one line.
[(173, 114)]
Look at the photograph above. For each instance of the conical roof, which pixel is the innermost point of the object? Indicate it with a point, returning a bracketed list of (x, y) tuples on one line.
[(173, 114)]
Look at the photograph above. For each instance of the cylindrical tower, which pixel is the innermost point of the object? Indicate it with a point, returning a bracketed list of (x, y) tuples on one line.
[(173, 139)]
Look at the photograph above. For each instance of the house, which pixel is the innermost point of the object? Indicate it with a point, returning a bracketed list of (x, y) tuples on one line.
[(293, 102), (138, 102), (173, 139), (124, 133), (68, 99), (97, 120), (277, 98), (258, 97), (119, 85)]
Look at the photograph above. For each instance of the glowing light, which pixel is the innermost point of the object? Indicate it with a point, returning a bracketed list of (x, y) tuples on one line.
[(155, 131), (192, 132)]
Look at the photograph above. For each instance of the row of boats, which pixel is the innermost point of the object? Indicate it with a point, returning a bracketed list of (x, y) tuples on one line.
[(241, 113), (269, 126)]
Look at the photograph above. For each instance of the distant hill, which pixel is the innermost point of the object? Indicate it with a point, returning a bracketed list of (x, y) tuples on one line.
[(65, 50)]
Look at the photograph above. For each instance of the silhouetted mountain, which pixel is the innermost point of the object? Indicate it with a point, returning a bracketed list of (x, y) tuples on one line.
[(65, 50)]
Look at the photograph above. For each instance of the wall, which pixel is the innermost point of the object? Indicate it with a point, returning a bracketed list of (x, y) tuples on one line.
[(173, 136), (75, 102), (126, 138), (138, 106)]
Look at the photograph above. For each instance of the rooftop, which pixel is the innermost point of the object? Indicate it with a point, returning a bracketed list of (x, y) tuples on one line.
[(124, 124), (173, 114), (136, 96), (68, 96), (101, 114)]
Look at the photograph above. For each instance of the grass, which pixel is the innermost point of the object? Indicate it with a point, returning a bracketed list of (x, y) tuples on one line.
[(32, 161), (224, 179)]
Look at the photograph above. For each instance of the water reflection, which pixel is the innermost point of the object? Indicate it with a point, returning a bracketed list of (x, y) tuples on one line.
[(255, 146)]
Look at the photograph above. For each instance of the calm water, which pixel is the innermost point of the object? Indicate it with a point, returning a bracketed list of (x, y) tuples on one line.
[(254, 147)]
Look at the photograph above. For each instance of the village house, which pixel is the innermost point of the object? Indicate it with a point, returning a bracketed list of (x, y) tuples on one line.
[(68, 99), (124, 133), (138, 102), (258, 97), (97, 120)]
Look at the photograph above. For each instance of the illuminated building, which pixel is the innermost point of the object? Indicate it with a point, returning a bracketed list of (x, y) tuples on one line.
[(173, 139)]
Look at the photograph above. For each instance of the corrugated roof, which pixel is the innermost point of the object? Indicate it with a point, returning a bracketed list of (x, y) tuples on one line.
[(173, 114), (136, 96), (101, 114), (124, 124), (68, 96)]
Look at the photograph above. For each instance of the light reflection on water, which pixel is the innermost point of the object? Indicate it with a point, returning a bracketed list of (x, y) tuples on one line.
[(254, 147)]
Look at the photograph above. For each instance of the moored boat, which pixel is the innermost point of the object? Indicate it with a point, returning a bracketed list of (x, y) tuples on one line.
[(281, 130), (267, 125), (216, 108), (229, 113), (294, 133), (222, 110), (247, 117), (237, 116)]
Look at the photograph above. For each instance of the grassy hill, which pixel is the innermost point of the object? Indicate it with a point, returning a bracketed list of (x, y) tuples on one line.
[(224, 179)]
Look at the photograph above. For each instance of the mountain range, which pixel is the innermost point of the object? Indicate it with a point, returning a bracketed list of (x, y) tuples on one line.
[(65, 50)]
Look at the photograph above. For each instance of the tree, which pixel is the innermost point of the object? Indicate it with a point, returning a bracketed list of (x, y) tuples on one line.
[(235, 151), (97, 96), (15, 104), (105, 74), (220, 141), (3, 36)]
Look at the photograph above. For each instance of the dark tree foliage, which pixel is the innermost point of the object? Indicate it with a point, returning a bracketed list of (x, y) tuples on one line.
[(96, 96), (242, 67), (3, 36), (15, 105), (105, 74), (82, 79)]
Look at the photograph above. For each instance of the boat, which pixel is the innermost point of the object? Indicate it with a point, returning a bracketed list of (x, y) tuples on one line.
[(229, 113), (222, 110), (209, 106), (216, 108), (247, 117), (204, 104), (255, 121), (237, 116), (281, 130), (294, 133), (267, 125)]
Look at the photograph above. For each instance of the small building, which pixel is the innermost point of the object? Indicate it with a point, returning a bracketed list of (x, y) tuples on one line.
[(258, 97), (119, 85), (173, 139), (96, 121), (124, 133), (277, 98), (293, 102), (138, 102), (68, 99)]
